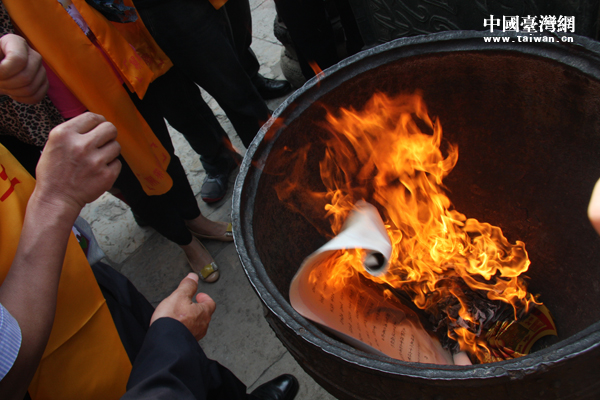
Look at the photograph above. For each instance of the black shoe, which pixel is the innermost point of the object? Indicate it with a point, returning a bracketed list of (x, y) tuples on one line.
[(284, 387), (271, 88)]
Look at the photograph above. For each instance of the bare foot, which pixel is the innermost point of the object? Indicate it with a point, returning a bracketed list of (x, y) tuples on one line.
[(201, 261), (207, 229)]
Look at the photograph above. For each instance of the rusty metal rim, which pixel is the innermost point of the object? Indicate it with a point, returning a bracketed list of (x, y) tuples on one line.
[(583, 55)]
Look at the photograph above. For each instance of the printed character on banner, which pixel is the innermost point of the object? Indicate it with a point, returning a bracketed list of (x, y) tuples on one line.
[(13, 182)]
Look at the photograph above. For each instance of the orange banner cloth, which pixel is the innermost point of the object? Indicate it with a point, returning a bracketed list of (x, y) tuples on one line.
[(91, 78), (84, 358)]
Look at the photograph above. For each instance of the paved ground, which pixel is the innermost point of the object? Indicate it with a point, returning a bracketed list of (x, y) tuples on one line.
[(238, 337)]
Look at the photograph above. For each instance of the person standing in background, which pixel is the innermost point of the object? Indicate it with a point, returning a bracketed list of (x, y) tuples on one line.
[(200, 39)]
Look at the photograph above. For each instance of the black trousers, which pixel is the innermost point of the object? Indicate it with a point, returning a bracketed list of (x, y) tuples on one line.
[(181, 103), (165, 213), (240, 22), (199, 41), (308, 24)]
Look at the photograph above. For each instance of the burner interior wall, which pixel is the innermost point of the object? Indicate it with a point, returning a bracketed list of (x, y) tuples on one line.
[(529, 154)]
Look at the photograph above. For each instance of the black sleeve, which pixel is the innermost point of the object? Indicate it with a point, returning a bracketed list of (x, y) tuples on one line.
[(171, 365), (130, 310), (166, 364)]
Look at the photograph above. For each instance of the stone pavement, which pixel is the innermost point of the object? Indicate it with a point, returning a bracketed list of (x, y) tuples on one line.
[(239, 336)]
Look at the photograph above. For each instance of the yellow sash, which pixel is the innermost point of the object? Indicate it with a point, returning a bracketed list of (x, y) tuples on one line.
[(86, 72), (84, 358)]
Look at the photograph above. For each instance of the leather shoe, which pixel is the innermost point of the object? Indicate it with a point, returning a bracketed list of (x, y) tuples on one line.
[(271, 88), (284, 387)]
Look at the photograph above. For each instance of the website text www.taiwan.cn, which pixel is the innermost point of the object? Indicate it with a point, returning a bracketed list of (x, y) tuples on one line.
[(527, 28)]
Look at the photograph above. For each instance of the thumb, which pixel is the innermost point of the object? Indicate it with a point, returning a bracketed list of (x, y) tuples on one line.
[(13, 46), (207, 302), (5, 44), (189, 285)]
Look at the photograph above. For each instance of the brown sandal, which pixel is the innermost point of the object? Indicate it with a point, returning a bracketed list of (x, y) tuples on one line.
[(210, 272), (226, 237)]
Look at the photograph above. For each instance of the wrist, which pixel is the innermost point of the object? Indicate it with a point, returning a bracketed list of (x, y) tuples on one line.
[(60, 209)]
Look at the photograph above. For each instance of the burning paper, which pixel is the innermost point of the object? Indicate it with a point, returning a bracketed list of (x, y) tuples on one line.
[(364, 230), (360, 314), (512, 339), (463, 274)]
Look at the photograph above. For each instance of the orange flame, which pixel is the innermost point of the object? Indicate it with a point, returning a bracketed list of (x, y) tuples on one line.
[(317, 70), (382, 154)]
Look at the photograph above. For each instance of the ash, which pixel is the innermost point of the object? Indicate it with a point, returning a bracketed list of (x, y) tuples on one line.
[(444, 314)]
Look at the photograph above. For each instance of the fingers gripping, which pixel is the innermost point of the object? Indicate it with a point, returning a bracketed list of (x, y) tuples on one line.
[(22, 75)]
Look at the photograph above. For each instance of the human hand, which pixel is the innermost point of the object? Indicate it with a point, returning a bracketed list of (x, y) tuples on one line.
[(22, 75), (179, 306), (594, 208), (79, 162)]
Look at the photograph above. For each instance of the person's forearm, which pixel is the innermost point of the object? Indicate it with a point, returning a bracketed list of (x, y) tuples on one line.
[(30, 289)]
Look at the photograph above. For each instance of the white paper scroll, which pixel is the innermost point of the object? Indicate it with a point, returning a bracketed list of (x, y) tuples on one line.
[(363, 229), (360, 315)]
